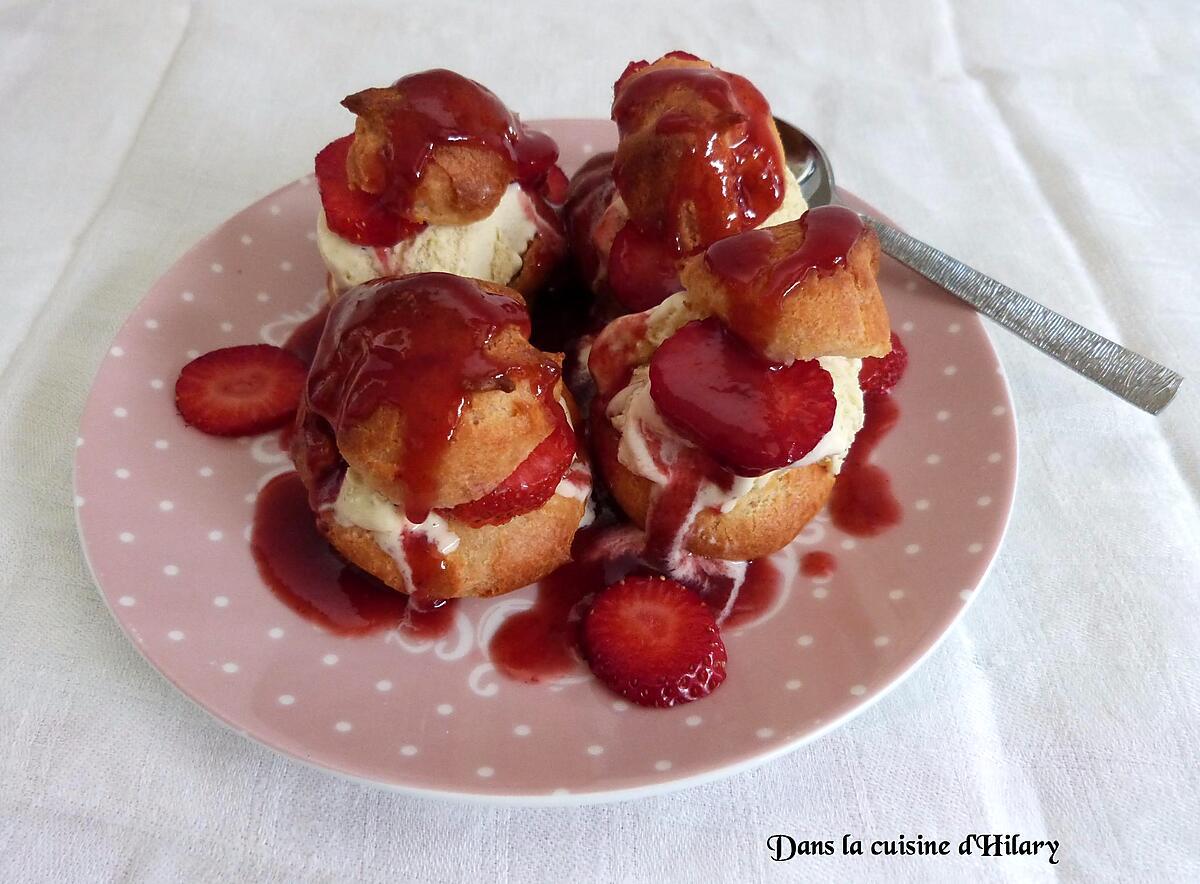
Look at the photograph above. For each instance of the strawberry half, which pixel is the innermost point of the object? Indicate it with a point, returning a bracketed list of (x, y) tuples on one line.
[(748, 413), (356, 215), (880, 373), (654, 642), (529, 486), (240, 391)]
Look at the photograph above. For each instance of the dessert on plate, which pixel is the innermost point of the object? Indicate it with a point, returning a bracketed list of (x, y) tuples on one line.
[(438, 175), (436, 442), (699, 159), (724, 414)]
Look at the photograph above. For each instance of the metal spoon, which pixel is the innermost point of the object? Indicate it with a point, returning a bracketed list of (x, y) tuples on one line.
[(1131, 376)]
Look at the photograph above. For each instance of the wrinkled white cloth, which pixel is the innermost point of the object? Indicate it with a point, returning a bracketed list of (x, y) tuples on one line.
[(1055, 145)]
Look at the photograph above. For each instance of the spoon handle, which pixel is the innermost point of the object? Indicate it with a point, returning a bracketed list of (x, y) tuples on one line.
[(1131, 376)]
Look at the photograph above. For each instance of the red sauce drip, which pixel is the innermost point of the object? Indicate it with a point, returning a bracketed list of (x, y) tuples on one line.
[(420, 344), (862, 503), (758, 272), (542, 642), (437, 108), (724, 163), (305, 573), (818, 564), (304, 339), (758, 593)]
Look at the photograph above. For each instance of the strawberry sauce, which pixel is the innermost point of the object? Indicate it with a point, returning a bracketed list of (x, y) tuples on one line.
[(818, 564), (304, 339), (863, 503), (307, 575)]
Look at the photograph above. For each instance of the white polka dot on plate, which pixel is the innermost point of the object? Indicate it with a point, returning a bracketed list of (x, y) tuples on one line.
[(896, 594), (175, 635), (205, 471), (383, 685), (156, 384), (126, 601), (171, 570), (151, 324), (187, 296), (120, 412), (793, 684), (954, 328), (221, 601), (804, 641), (994, 457), (908, 326), (620, 706), (943, 416), (998, 411), (343, 727), (445, 709), (881, 641), (162, 444), (330, 659), (486, 771), (166, 506), (858, 690), (921, 504), (215, 535), (274, 209), (247, 239), (848, 543), (231, 668), (193, 354), (764, 733), (262, 297), (522, 730), (275, 632), (820, 592), (408, 750), (78, 500), (933, 460), (983, 501), (965, 595), (595, 749), (285, 266), (216, 268), (116, 351), (662, 765), (126, 537), (226, 326), (912, 549), (692, 720), (286, 699), (975, 547)]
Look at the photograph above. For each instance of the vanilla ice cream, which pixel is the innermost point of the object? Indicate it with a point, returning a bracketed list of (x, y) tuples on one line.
[(492, 248)]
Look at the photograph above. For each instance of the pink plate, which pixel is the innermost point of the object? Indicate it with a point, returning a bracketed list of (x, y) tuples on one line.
[(164, 513)]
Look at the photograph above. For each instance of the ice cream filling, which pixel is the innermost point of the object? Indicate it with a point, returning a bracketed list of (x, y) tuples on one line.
[(492, 248)]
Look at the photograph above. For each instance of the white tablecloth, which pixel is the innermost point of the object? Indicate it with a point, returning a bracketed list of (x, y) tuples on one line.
[(1056, 146)]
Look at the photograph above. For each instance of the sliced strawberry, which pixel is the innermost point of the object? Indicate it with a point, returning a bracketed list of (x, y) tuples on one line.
[(880, 373), (749, 414), (654, 642), (530, 485), (240, 391), (356, 215)]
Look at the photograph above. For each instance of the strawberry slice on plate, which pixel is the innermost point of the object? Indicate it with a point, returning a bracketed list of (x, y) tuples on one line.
[(880, 373), (529, 486), (654, 642), (240, 391), (748, 413)]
